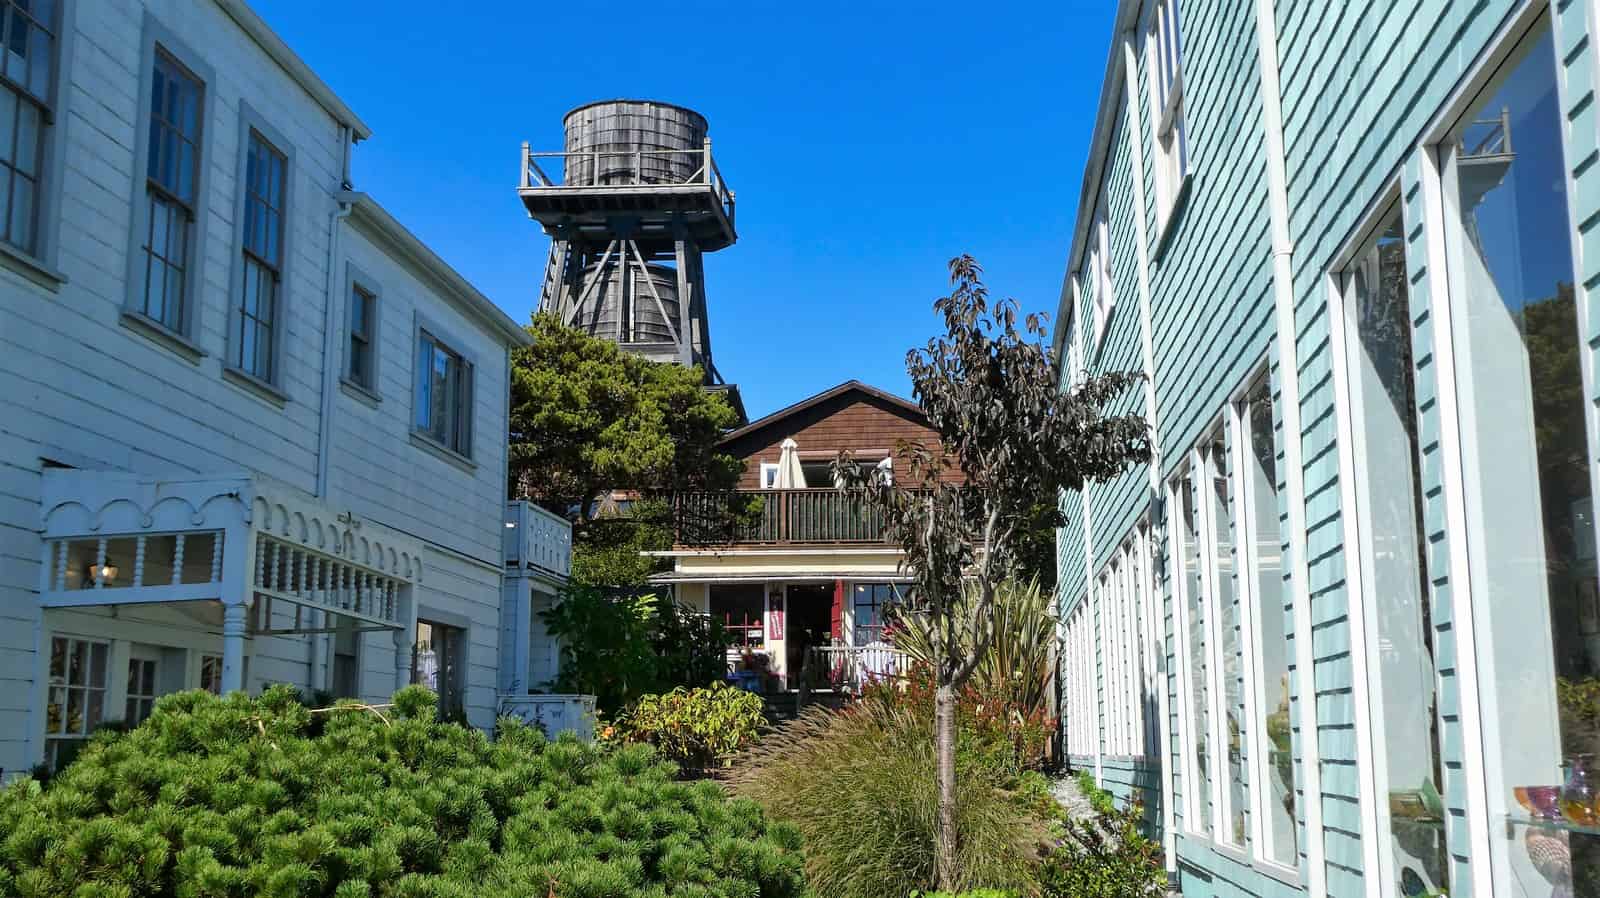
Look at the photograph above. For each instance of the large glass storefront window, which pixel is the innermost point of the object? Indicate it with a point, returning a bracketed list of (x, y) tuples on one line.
[(1391, 551), (1259, 481), (1197, 785), (1527, 464)]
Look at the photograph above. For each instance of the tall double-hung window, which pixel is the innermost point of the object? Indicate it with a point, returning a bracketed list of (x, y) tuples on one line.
[(1099, 274), (443, 402), (258, 319), (171, 196), (1164, 55), (26, 112)]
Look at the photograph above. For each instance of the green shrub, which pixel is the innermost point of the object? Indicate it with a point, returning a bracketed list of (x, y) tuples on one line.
[(1104, 856), (234, 797), (975, 893), (1102, 801), (859, 785), (697, 728), (618, 648)]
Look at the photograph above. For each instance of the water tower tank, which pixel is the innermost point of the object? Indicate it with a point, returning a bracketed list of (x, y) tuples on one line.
[(637, 142), (634, 302)]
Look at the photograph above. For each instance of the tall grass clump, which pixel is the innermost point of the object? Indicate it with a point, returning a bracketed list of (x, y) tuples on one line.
[(860, 787)]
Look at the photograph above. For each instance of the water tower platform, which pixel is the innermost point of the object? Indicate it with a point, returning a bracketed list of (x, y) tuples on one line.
[(663, 190)]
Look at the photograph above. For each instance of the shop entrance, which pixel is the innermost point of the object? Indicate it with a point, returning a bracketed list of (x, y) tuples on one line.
[(808, 624)]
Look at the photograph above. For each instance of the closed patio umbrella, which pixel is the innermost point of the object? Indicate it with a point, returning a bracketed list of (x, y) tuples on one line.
[(790, 476)]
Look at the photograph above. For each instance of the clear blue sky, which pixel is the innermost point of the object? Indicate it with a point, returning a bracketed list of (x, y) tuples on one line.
[(868, 141)]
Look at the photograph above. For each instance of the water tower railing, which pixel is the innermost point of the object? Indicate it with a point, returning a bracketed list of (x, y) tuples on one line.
[(631, 173)]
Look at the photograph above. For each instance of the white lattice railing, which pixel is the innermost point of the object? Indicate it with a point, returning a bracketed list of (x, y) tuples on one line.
[(308, 579)]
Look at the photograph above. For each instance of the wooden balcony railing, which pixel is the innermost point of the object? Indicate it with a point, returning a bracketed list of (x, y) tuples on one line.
[(784, 516)]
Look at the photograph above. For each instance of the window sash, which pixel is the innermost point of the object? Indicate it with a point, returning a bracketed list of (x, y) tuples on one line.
[(76, 689), (359, 366), (174, 163), (166, 261), (265, 171), (444, 396), (30, 71), (258, 317)]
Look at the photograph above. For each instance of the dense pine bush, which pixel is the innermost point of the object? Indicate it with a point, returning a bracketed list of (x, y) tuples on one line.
[(245, 797)]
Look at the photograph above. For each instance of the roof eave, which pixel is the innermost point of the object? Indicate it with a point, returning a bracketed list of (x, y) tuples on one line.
[(1111, 90), (291, 62), (366, 211)]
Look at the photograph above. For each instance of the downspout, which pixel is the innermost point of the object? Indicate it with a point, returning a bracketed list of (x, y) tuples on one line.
[(330, 317), (318, 644), (1294, 463)]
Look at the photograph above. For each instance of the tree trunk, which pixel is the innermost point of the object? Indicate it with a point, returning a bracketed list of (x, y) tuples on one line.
[(944, 725)]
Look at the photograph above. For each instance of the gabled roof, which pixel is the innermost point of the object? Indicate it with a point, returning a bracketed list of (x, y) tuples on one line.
[(849, 386)]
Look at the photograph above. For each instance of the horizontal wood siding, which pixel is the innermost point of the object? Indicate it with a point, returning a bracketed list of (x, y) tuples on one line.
[(853, 420)]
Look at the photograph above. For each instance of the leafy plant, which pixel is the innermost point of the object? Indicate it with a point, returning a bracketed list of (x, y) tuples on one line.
[(1104, 856), (1010, 435), (1102, 801), (1017, 664), (1001, 739), (697, 728), (975, 893), (232, 796), (620, 647), (860, 787)]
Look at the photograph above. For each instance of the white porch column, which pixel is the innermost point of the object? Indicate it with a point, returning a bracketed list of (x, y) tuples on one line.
[(239, 572), (405, 638), (233, 634)]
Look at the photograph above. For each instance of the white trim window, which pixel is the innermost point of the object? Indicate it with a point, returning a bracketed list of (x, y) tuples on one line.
[(361, 356), (143, 665), (1164, 49), (1268, 651), (172, 178), (26, 114), (211, 673), (1105, 294), (1194, 649), (444, 395), (259, 316), (769, 475), (76, 704)]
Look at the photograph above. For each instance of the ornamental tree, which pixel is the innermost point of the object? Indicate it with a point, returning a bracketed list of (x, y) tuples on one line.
[(588, 420), (990, 388)]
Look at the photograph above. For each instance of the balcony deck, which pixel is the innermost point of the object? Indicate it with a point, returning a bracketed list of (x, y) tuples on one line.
[(809, 517)]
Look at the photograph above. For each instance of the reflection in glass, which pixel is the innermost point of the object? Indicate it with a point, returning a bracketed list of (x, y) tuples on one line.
[(1394, 564), (1518, 353), (1230, 650), (1199, 811), (1261, 479)]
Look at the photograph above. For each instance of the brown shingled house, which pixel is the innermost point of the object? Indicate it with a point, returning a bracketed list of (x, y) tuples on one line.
[(804, 588)]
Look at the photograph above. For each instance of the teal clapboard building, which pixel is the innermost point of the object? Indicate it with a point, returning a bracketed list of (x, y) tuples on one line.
[(1342, 635)]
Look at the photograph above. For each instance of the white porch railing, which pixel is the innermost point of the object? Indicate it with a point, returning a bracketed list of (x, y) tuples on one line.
[(537, 538), (849, 668)]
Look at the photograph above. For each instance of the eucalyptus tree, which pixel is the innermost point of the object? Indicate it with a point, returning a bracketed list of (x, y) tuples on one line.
[(1010, 437)]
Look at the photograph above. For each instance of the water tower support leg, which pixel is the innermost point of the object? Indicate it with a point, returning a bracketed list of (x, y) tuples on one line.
[(686, 301)]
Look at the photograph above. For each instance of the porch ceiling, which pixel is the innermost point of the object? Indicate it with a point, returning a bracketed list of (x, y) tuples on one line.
[(765, 576)]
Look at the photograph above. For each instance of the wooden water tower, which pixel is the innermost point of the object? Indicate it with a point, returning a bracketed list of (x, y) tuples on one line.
[(631, 206)]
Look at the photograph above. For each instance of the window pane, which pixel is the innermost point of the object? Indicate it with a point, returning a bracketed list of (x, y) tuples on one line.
[(1393, 547), (17, 47), (1272, 715), (8, 124), (1197, 807), (1519, 344), (29, 124), (1229, 653), (39, 65), (23, 195)]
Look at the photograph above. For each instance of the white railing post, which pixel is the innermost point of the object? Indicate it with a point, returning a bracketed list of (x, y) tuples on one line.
[(525, 180), (707, 166)]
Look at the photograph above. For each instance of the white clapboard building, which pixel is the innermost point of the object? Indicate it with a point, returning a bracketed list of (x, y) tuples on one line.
[(252, 430)]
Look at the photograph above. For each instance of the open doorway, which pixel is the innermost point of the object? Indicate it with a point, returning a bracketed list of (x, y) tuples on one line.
[(809, 622)]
